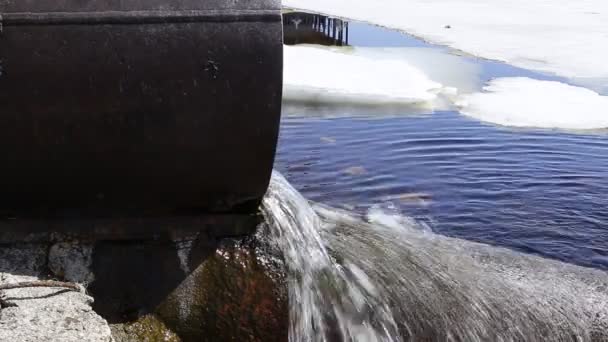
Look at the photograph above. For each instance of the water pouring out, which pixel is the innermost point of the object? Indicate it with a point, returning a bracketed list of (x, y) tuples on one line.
[(351, 280)]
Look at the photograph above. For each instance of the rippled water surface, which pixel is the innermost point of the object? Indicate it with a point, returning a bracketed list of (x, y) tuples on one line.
[(540, 191)]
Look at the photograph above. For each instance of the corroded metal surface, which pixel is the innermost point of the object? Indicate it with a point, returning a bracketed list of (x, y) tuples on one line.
[(145, 108), (38, 6)]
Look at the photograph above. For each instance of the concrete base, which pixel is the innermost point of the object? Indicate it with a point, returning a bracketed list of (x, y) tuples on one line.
[(184, 285), (46, 314)]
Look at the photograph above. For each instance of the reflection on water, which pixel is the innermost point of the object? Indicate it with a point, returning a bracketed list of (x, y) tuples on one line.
[(537, 191), (307, 28)]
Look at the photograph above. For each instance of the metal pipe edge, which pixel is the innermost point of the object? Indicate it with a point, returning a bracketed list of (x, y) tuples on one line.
[(127, 229), (137, 17)]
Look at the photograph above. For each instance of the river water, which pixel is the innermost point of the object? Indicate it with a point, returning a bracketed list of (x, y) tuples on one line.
[(393, 223), (380, 278), (538, 191)]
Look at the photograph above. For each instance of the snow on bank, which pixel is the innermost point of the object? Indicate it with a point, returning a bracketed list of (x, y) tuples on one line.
[(431, 79), (525, 102), (325, 75), (402, 77), (456, 72), (564, 37)]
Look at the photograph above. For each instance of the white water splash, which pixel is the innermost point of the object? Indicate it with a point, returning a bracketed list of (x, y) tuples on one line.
[(354, 281), (326, 300)]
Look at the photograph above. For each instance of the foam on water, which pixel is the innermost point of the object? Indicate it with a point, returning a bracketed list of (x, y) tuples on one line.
[(326, 299), (353, 280)]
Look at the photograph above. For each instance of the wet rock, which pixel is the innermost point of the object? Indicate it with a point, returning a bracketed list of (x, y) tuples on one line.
[(236, 294), (148, 328), (133, 277), (182, 287)]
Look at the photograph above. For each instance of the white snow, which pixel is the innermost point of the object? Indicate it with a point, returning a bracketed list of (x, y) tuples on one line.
[(452, 71), (389, 77), (525, 102), (564, 37), (431, 79), (341, 76)]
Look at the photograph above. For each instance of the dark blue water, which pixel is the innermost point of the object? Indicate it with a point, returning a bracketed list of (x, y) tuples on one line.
[(538, 191)]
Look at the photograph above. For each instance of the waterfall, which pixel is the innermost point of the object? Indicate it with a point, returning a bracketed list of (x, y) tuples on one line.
[(328, 301), (357, 279)]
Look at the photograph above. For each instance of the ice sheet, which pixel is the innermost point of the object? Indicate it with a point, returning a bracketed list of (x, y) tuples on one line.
[(525, 102), (373, 76), (563, 37)]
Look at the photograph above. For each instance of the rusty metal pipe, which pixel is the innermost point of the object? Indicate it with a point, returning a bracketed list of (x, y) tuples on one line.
[(132, 107)]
